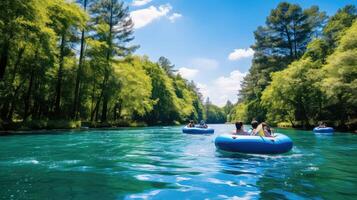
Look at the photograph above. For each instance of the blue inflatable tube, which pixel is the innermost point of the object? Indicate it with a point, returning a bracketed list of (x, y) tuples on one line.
[(323, 130), (196, 130), (254, 144)]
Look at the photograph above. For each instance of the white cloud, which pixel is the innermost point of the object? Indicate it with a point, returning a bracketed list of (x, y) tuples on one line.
[(223, 88), (203, 89), (174, 17), (238, 54), (145, 16), (187, 73), (204, 63), (140, 2), (230, 83)]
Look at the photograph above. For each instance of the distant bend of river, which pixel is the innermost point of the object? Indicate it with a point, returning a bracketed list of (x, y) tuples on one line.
[(164, 163)]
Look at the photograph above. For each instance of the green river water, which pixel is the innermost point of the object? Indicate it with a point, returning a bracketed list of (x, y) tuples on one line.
[(164, 163)]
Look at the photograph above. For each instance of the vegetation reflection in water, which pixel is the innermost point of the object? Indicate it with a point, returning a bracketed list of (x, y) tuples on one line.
[(163, 163)]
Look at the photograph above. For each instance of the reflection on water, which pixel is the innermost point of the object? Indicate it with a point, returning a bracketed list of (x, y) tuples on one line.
[(163, 163)]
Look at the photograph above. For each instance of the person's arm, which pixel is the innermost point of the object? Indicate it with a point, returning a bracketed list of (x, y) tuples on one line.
[(258, 129), (267, 134)]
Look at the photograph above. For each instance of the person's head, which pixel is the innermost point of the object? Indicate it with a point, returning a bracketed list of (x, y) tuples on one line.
[(191, 122), (202, 122), (239, 125), (254, 124)]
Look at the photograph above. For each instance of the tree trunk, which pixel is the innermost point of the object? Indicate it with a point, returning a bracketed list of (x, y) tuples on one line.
[(96, 108), (28, 96), (13, 101), (105, 98), (290, 43), (59, 76), (107, 70), (4, 58), (7, 104), (79, 73), (295, 42)]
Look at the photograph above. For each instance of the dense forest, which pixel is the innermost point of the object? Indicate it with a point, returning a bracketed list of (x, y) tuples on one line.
[(304, 69), (67, 64)]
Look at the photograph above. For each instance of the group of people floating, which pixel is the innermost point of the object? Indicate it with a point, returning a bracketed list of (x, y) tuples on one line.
[(202, 124), (262, 129)]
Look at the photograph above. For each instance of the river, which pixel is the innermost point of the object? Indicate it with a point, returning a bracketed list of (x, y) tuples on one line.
[(164, 163)]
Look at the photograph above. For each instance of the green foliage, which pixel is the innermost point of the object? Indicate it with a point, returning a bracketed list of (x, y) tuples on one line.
[(305, 78), (318, 86), (239, 113), (166, 65), (214, 114), (338, 23), (176, 99), (133, 88), (227, 109), (44, 79), (294, 94), (340, 77), (282, 40)]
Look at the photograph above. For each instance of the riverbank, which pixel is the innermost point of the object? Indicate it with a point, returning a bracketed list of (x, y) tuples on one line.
[(349, 127), (47, 125)]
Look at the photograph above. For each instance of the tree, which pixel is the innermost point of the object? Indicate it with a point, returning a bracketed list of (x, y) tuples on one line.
[(66, 20), (114, 28), (227, 109), (282, 40), (338, 23), (76, 98), (167, 108), (340, 79), (102, 82), (319, 86), (166, 65), (239, 113), (214, 114), (134, 94), (294, 94), (16, 15)]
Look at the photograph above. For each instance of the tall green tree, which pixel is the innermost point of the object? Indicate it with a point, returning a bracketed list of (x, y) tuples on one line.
[(28, 57), (340, 80), (66, 20), (294, 94), (15, 16), (283, 39), (79, 75), (166, 64), (338, 24), (114, 28), (166, 110), (317, 86)]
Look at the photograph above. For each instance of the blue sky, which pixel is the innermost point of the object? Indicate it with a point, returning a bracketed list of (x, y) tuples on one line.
[(208, 40)]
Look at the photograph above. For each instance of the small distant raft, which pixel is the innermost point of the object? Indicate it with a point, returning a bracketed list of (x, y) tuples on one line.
[(254, 144), (197, 130), (326, 130)]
